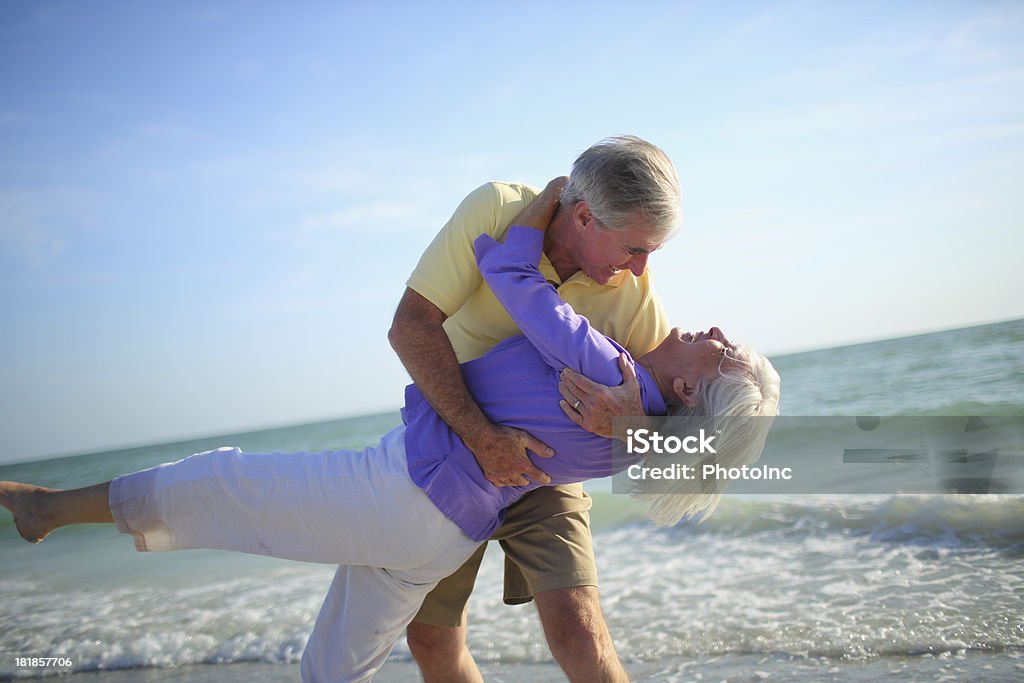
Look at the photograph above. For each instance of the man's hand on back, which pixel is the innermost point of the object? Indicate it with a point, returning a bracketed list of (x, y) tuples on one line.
[(501, 453), (422, 345)]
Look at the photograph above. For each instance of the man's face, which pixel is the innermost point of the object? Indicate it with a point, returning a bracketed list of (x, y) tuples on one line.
[(604, 252)]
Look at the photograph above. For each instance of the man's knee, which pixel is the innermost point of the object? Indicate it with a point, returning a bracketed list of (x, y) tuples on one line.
[(428, 642), (441, 654)]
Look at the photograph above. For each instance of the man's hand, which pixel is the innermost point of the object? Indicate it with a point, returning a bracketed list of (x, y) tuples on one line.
[(501, 453), (592, 405), (421, 343)]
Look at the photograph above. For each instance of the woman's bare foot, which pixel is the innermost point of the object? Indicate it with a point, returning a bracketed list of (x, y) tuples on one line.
[(28, 505)]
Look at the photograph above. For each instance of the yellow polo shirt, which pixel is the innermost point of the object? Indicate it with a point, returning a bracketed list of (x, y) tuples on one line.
[(627, 309)]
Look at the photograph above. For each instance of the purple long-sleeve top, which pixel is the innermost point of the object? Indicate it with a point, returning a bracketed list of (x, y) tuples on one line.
[(516, 384)]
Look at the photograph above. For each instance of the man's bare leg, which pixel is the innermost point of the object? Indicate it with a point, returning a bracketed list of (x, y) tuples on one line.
[(441, 654), (578, 636), (38, 511)]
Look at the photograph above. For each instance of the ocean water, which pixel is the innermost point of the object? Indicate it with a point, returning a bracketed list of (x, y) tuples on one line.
[(792, 588)]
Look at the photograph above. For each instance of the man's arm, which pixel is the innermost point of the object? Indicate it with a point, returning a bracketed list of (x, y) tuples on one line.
[(419, 339), (423, 346)]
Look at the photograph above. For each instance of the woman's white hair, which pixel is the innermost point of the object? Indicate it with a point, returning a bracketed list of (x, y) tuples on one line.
[(738, 407), (625, 177)]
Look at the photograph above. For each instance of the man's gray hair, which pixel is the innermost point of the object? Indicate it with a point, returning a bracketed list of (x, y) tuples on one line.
[(740, 405), (622, 178)]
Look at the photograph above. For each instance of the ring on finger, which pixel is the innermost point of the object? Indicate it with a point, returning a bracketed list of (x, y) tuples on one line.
[(576, 405)]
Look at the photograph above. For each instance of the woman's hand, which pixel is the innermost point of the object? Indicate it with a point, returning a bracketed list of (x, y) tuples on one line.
[(541, 210), (592, 405)]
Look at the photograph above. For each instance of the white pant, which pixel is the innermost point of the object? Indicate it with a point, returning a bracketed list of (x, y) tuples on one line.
[(358, 509)]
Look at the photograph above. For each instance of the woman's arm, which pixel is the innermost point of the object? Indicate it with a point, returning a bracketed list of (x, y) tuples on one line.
[(443, 280), (541, 211), (562, 336)]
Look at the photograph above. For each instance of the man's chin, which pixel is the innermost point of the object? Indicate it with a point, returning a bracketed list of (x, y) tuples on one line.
[(603, 276)]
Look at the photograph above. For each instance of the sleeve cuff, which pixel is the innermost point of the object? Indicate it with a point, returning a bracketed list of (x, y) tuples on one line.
[(524, 244)]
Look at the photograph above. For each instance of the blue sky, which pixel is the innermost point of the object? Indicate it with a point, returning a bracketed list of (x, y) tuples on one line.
[(208, 210)]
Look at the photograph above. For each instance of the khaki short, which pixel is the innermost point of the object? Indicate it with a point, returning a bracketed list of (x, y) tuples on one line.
[(547, 544)]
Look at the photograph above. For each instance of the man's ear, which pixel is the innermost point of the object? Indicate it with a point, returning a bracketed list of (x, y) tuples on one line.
[(581, 214), (684, 392)]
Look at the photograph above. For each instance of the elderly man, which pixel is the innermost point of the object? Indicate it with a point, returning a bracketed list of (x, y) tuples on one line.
[(621, 202)]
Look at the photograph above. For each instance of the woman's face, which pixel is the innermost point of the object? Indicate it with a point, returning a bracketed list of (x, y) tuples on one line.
[(702, 356)]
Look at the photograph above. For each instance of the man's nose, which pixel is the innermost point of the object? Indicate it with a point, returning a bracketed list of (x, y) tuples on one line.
[(637, 264)]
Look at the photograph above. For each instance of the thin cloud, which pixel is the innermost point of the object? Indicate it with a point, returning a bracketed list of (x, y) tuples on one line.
[(996, 132), (984, 39), (22, 236), (379, 217)]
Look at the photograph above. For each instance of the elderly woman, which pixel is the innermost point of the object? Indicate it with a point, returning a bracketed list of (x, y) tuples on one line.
[(404, 514)]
